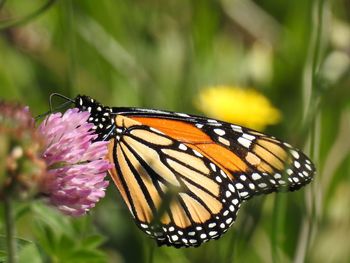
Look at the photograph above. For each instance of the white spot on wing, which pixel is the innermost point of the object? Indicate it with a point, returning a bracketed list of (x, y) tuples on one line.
[(224, 141), (229, 220), (243, 177), (256, 176), (278, 176), (212, 121), (236, 128), (212, 233), (231, 187), (239, 186), (244, 142), (295, 154), (223, 174), (220, 132), (296, 164), (248, 136), (183, 147), (213, 167), (182, 114), (262, 185), (287, 144), (308, 167), (244, 194), (197, 153)]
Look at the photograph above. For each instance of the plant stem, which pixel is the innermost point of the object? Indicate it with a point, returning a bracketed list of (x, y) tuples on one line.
[(10, 229), (312, 124), (278, 229), (317, 48)]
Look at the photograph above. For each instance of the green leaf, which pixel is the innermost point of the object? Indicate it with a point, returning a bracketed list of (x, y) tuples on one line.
[(21, 210), (20, 242), (87, 256), (29, 253), (66, 244), (93, 241), (2, 256)]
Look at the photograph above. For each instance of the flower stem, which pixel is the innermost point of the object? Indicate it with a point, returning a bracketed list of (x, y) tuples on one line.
[(10, 229)]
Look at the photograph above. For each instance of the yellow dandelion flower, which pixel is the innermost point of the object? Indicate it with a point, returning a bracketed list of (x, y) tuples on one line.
[(245, 107)]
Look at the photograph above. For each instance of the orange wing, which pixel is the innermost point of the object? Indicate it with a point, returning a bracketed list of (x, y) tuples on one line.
[(257, 163)]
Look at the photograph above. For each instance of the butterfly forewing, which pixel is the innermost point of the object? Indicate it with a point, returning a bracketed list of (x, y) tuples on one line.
[(256, 163), (265, 164)]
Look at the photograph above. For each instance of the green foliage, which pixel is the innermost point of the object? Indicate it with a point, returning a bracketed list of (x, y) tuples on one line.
[(160, 54), (57, 238)]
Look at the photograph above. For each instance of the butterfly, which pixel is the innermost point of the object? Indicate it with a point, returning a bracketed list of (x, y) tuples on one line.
[(184, 177)]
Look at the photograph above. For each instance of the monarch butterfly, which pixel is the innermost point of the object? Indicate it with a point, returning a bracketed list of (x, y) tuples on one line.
[(184, 177)]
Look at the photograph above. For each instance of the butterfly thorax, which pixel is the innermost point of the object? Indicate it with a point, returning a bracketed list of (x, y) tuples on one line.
[(101, 116)]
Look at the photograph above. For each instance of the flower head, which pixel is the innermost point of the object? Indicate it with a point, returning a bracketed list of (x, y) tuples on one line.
[(20, 166), (245, 107), (76, 163)]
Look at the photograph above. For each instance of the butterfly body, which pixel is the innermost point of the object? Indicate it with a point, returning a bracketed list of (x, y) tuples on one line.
[(184, 177)]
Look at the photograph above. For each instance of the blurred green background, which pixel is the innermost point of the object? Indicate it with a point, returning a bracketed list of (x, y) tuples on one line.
[(160, 54)]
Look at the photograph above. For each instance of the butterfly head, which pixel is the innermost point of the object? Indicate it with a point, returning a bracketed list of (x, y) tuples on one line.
[(100, 115)]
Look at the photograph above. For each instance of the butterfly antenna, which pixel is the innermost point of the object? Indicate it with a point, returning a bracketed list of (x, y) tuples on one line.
[(68, 101), (61, 96)]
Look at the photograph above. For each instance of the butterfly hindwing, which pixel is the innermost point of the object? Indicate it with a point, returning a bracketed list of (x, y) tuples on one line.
[(152, 168)]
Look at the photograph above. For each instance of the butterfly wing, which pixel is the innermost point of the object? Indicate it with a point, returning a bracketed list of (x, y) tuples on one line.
[(183, 177), (256, 163), (175, 194)]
